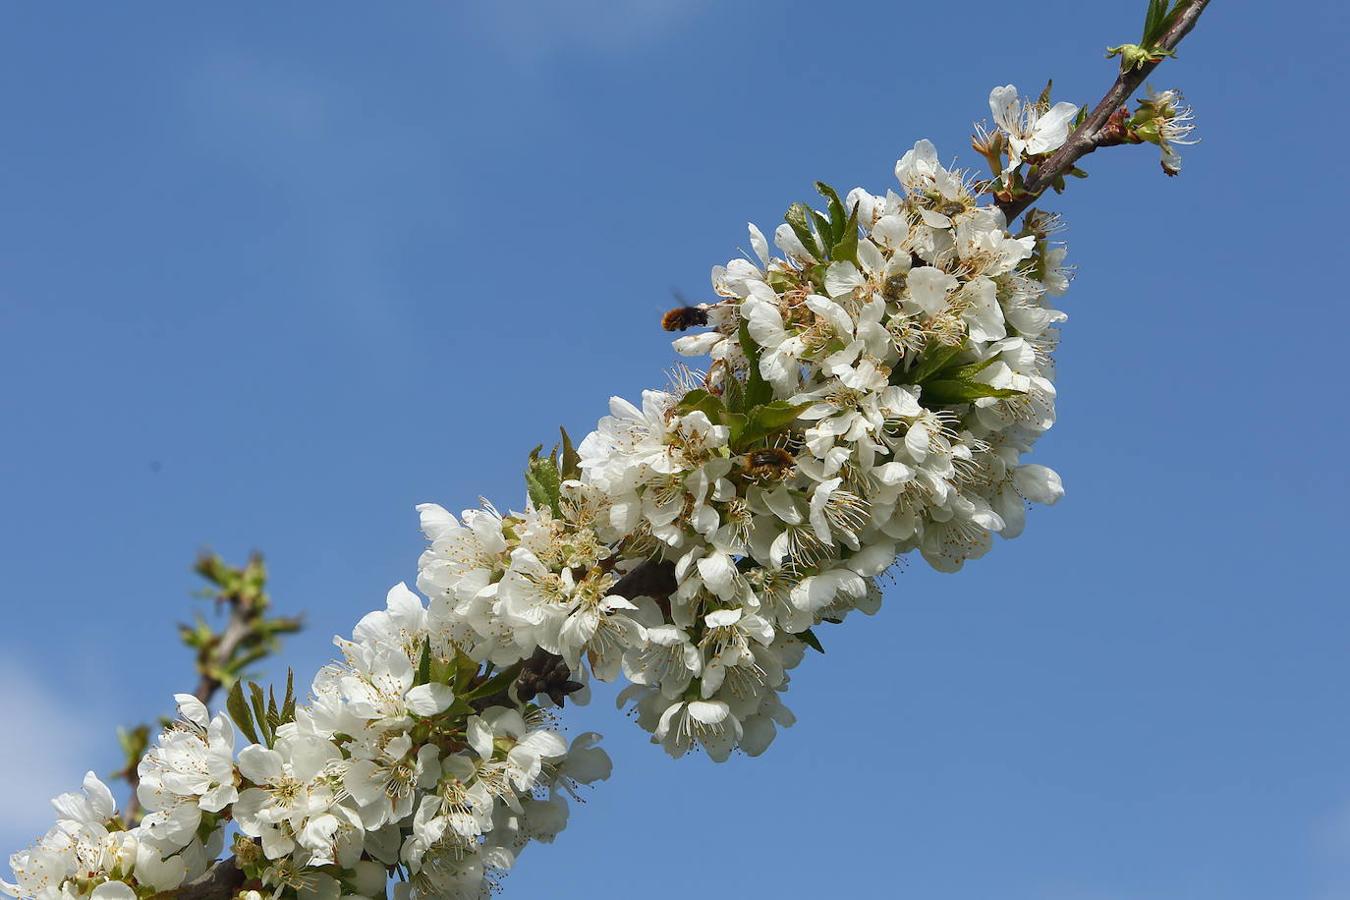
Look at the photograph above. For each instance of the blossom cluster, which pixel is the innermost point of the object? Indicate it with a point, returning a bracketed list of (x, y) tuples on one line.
[(872, 390), (873, 385), (404, 760)]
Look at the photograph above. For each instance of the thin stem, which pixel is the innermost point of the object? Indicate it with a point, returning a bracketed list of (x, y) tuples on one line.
[(1089, 135)]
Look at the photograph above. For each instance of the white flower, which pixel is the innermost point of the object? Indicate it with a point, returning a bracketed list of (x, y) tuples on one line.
[(585, 763), (1031, 131), (93, 806), (379, 686), (666, 660), (287, 791), (781, 349), (707, 723), (528, 747), (384, 774), (190, 771)]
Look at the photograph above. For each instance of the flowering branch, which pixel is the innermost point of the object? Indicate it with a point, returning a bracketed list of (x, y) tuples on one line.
[(248, 636), (222, 657), (872, 390), (1105, 125)]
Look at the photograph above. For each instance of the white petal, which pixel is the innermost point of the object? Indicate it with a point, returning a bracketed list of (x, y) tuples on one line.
[(1005, 107), (759, 244), (113, 890), (260, 765), (1052, 129), (101, 802), (842, 278), (430, 699), (1038, 484), (192, 709)]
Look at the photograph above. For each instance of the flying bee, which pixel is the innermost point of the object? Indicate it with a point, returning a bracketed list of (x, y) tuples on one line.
[(682, 318), (766, 463)]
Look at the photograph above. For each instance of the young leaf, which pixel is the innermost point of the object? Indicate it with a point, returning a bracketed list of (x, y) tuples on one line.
[(947, 392), (757, 390), (424, 663), (767, 420), (463, 671), (1152, 17), (735, 423), (933, 361), (239, 711), (699, 400), (259, 712), (1044, 100), (966, 372), (542, 482), (733, 394), (798, 218), (837, 215), (571, 460), (846, 246), (288, 702), (808, 637), (823, 231)]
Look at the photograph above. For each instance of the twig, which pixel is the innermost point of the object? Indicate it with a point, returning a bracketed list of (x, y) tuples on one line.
[(219, 882), (236, 631), (1092, 132)]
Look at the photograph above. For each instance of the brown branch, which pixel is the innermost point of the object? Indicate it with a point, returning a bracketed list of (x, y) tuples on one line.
[(1095, 128), (219, 882), (236, 631), (248, 635), (655, 578)]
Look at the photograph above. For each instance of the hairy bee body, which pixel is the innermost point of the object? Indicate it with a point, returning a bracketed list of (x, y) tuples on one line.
[(682, 318), (769, 462)]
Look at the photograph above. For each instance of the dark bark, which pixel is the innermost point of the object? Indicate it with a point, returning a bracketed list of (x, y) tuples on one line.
[(1096, 128)]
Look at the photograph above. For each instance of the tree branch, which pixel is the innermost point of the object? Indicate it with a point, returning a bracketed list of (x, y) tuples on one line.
[(220, 882), (1094, 130), (236, 630), (653, 578)]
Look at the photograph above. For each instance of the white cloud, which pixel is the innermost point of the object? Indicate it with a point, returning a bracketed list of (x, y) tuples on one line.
[(46, 749)]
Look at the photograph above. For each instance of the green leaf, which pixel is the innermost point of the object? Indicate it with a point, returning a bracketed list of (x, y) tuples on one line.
[(808, 637), (1167, 22), (462, 672), (542, 482), (699, 400), (1158, 19), (571, 460), (733, 394), (424, 663), (798, 218), (757, 390), (1044, 100), (946, 392), (823, 231), (496, 683), (238, 709), (767, 420), (838, 217), (259, 711), (933, 361), (288, 702), (966, 372), (846, 246), (735, 423)]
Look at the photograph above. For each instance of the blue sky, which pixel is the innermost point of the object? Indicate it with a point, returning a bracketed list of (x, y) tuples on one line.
[(271, 274)]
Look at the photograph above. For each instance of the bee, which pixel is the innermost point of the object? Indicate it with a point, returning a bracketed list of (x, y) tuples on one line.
[(682, 318), (769, 462)]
